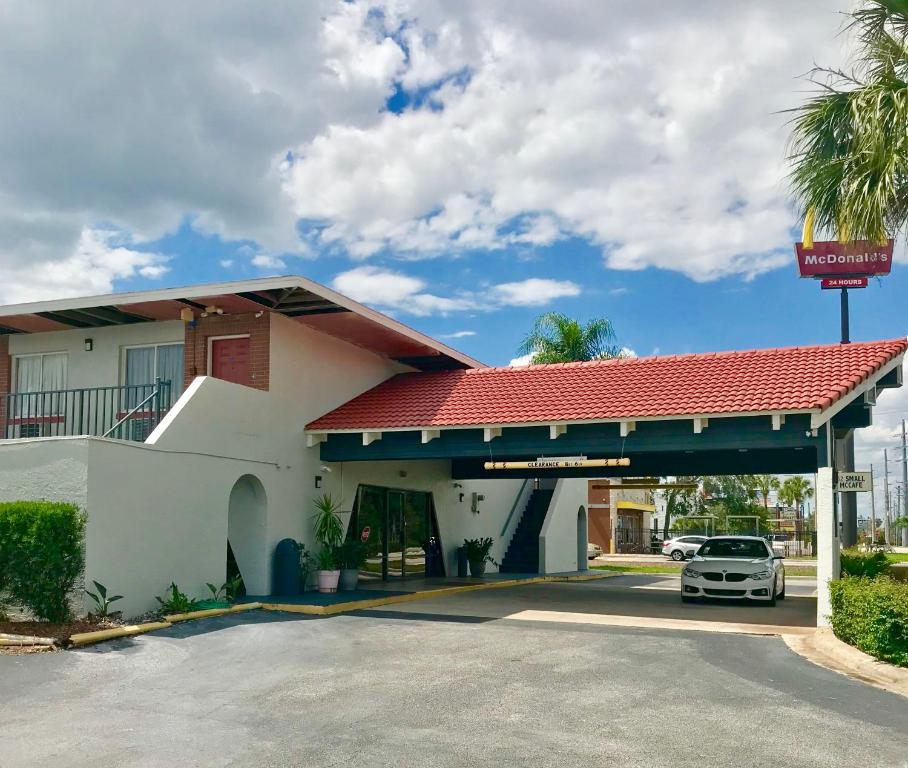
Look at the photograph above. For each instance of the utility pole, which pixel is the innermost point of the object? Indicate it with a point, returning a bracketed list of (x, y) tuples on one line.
[(847, 501), (872, 511), (904, 505), (888, 525)]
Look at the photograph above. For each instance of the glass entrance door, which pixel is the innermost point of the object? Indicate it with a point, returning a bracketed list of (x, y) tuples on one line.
[(396, 527)]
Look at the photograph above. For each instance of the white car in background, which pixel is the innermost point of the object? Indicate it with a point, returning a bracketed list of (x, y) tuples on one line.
[(734, 568), (682, 547)]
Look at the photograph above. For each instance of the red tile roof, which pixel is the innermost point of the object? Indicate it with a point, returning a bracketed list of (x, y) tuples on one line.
[(789, 379)]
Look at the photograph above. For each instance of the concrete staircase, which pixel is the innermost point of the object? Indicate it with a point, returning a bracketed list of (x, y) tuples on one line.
[(522, 555)]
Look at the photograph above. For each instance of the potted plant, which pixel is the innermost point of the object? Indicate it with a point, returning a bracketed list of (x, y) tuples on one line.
[(350, 555), (326, 569), (329, 532), (477, 551)]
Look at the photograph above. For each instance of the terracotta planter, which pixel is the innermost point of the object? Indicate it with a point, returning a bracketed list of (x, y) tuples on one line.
[(327, 580), (349, 579)]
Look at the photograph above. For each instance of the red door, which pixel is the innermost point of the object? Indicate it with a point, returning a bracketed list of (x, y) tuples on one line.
[(230, 360)]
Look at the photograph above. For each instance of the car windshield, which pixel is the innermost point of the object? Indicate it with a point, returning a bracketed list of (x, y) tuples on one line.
[(733, 548)]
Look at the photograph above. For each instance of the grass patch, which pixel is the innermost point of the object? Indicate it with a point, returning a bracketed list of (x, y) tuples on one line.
[(637, 568), (897, 557)]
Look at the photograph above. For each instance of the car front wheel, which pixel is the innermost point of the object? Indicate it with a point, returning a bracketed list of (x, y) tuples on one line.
[(772, 599), (677, 555)]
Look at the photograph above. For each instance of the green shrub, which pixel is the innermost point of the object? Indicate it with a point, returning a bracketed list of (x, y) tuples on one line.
[(175, 601), (872, 614), (867, 564), (41, 555)]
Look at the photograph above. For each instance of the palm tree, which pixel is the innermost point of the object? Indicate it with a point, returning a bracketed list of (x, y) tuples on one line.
[(556, 338), (764, 484), (794, 491), (849, 144)]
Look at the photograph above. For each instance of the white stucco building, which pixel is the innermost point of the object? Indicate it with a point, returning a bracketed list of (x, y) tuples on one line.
[(218, 452)]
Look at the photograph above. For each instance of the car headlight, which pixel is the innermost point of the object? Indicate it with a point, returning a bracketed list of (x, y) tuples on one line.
[(694, 574), (759, 575)]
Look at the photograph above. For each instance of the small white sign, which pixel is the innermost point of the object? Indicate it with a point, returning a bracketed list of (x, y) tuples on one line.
[(853, 481)]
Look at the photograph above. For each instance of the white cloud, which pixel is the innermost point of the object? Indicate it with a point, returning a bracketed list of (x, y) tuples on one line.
[(457, 335), (519, 362), (398, 291), (651, 131), (654, 133), (535, 292), (267, 261), (99, 258), (169, 111)]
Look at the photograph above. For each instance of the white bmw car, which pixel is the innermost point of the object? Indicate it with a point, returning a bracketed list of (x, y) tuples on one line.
[(732, 568)]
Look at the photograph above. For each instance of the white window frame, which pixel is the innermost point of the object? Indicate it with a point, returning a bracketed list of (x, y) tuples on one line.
[(212, 339), (14, 384)]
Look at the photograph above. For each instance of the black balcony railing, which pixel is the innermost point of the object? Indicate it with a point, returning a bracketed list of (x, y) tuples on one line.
[(127, 412)]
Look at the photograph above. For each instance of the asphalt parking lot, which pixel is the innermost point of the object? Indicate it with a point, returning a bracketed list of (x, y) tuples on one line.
[(441, 686)]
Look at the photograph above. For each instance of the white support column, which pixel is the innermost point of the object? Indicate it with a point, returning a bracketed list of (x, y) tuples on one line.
[(827, 543)]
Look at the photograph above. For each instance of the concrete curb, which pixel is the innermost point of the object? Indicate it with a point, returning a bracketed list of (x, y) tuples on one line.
[(359, 605), (89, 638), (208, 612), (824, 649), (22, 641)]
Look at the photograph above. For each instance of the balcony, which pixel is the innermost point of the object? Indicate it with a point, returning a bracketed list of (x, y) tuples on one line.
[(127, 412)]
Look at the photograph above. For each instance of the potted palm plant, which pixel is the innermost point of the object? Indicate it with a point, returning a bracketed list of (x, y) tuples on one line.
[(477, 551), (329, 532), (350, 555)]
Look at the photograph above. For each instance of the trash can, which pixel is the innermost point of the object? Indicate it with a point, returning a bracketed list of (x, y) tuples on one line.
[(434, 565), (286, 568), (462, 564)]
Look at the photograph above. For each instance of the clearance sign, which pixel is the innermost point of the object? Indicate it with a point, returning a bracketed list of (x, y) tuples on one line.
[(566, 462), (833, 259)]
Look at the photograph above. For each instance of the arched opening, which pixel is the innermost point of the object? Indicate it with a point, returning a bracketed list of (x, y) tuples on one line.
[(247, 531), (582, 539)]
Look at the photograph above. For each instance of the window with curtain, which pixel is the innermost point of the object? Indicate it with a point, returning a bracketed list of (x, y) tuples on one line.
[(40, 373), (145, 364)]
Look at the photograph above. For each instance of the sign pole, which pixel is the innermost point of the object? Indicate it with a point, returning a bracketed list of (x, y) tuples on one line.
[(846, 336)]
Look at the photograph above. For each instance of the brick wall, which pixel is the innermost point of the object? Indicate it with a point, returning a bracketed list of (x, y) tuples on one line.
[(195, 351), (6, 377)]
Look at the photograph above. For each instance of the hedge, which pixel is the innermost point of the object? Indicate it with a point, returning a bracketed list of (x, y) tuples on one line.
[(869, 564), (872, 614), (41, 555)]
